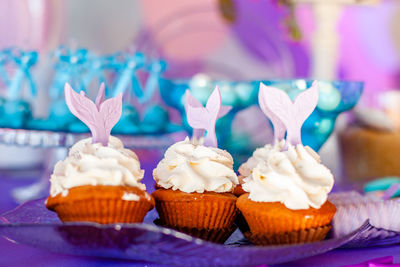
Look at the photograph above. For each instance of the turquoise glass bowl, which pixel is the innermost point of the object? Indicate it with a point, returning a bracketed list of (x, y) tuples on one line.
[(335, 97)]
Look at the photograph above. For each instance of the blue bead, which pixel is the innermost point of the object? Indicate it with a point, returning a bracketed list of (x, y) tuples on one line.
[(200, 81), (228, 94), (312, 122), (325, 126), (238, 142), (329, 97), (246, 93), (201, 87)]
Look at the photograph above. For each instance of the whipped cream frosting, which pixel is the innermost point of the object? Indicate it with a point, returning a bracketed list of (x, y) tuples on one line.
[(374, 118), (259, 155), (191, 167), (294, 177), (95, 164)]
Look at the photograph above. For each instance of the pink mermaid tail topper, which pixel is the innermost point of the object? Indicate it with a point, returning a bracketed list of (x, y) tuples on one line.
[(286, 115), (279, 127), (100, 117), (203, 119)]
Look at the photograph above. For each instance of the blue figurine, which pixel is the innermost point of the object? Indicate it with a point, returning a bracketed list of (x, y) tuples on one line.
[(69, 68), (155, 120), (4, 79), (128, 123), (15, 111)]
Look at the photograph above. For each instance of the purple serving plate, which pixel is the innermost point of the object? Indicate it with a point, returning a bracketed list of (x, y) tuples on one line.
[(32, 224)]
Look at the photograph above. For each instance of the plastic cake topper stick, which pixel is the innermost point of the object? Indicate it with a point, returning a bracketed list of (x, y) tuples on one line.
[(100, 117), (203, 119), (276, 104), (391, 191)]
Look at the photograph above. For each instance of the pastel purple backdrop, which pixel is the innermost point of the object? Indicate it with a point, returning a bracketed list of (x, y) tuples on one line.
[(361, 58)]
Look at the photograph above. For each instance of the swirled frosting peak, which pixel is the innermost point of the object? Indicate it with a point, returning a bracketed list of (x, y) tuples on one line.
[(95, 164), (191, 167), (294, 177), (259, 155)]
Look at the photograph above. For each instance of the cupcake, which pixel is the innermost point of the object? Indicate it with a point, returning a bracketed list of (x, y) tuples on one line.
[(99, 181), (369, 146), (287, 189), (195, 184), (287, 198)]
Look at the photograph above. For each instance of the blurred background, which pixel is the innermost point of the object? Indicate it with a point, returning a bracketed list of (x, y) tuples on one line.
[(232, 43)]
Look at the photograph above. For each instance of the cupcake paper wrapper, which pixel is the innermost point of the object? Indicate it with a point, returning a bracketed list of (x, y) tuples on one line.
[(353, 210), (207, 213), (275, 218), (103, 211), (213, 235), (101, 204)]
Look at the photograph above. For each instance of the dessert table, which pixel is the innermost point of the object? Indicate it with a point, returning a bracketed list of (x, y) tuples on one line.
[(19, 255)]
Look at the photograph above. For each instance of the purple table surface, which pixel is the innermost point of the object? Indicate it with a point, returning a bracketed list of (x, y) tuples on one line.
[(20, 255)]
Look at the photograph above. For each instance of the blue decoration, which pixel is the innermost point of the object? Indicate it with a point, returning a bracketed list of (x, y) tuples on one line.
[(96, 67), (15, 111), (155, 70), (15, 114), (81, 68), (128, 122), (155, 119), (78, 127), (24, 60), (44, 125), (201, 87), (245, 94), (129, 74), (383, 184), (329, 97), (69, 68), (5, 57), (228, 94), (60, 114)]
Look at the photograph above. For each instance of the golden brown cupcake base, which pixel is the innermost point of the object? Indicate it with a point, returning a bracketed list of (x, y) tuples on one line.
[(206, 210), (293, 237), (267, 218), (238, 191), (101, 204)]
